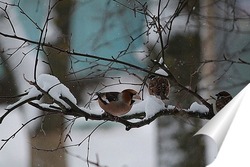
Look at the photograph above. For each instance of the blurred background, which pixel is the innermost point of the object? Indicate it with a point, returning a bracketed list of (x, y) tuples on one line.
[(207, 46)]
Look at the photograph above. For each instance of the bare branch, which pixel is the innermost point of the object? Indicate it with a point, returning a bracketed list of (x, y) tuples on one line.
[(16, 105), (23, 125)]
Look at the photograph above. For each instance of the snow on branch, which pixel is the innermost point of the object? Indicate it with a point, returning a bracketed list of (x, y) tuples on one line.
[(64, 102), (195, 107)]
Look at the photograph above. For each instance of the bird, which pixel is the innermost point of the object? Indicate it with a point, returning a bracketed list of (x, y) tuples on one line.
[(223, 98), (117, 103), (159, 87)]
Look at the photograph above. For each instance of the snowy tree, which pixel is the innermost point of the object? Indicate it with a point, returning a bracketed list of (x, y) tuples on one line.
[(56, 55)]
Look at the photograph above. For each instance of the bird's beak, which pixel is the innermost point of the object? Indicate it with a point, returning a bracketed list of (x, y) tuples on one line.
[(136, 97)]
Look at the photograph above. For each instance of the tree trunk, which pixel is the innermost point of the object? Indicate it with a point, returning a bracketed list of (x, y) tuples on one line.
[(50, 133), (176, 145)]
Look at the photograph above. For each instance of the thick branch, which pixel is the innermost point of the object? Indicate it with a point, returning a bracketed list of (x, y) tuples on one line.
[(78, 112)]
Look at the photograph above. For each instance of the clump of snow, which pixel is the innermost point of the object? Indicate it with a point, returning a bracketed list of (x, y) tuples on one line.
[(196, 107), (52, 86), (170, 107), (49, 106), (161, 60), (55, 88), (153, 106), (161, 72), (137, 108), (150, 105)]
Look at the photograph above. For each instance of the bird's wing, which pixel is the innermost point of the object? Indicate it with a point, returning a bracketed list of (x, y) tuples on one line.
[(112, 96), (108, 97)]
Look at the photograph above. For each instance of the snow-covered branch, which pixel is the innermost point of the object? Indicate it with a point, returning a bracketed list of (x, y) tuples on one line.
[(63, 101)]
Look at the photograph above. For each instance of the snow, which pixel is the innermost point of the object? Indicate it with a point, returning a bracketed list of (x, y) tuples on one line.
[(151, 105), (55, 88), (196, 107), (171, 107), (33, 92), (116, 147), (128, 147), (90, 111), (161, 60), (161, 72), (137, 108), (10, 155), (49, 84)]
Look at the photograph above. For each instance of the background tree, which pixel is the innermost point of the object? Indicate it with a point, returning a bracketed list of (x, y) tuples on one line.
[(53, 125)]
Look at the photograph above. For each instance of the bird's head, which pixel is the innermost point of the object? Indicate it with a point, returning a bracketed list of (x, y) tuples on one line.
[(130, 96), (223, 94)]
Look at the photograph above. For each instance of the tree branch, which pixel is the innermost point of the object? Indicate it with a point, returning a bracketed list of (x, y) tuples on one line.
[(18, 105), (78, 112)]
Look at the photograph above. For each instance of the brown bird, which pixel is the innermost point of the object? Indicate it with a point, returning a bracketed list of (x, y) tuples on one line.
[(222, 99), (159, 87), (117, 103)]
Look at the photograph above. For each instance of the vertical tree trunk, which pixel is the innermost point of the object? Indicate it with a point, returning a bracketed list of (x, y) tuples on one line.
[(208, 48), (50, 132), (176, 146), (208, 52)]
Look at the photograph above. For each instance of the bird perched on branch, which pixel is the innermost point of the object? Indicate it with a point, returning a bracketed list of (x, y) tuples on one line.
[(159, 87), (117, 103), (222, 99)]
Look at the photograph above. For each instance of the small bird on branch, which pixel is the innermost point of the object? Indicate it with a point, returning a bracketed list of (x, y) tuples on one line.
[(159, 87), (223, 98), (117, 103)]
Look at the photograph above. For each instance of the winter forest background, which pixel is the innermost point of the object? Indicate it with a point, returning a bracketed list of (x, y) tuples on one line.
[(104, 45)]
